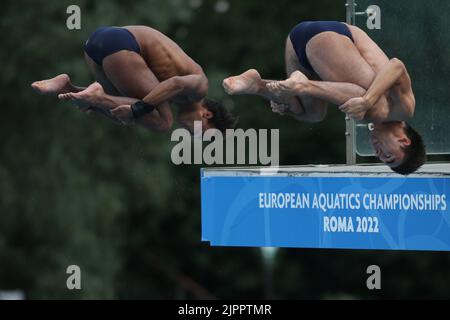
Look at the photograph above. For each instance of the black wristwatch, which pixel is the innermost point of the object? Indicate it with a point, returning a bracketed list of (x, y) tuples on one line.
[(141, 108)]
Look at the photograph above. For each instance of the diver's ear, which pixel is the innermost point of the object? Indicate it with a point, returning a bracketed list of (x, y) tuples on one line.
[(406, 142), (208, 115)]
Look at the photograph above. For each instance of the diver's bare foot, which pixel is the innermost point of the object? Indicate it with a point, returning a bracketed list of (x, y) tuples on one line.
[(247, 83), (55, 86), (92, 95), (293, 86)]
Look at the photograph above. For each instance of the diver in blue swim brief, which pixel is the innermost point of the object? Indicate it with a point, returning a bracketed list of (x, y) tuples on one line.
[(106, 41), (305, 31), (139, 74), (330, 62)]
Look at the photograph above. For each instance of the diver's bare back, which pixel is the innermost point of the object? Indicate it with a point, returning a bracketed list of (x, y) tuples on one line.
[(162, 55)]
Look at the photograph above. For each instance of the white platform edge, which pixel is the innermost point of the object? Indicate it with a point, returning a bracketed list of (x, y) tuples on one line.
[(434, 170)]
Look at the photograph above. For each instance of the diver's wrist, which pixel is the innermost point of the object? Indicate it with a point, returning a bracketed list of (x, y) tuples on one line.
[(370, 100), (140, 109)]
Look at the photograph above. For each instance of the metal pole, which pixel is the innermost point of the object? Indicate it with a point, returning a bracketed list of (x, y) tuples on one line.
[(350, 124), (269, 257), (351, 10)]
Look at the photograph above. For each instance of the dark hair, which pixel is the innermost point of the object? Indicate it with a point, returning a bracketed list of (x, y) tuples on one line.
[(222, 118), (415, 154)]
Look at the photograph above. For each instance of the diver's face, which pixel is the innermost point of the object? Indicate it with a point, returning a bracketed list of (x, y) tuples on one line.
[(389, 142), (187, 117)]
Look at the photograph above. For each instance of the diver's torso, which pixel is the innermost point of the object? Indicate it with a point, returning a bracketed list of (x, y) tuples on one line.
[(163, 56)]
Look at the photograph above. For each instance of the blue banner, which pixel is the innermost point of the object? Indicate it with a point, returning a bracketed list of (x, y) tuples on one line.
[(325, 212)]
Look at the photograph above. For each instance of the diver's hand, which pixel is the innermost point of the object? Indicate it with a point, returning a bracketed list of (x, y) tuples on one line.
[(356, 108), (124, 114)]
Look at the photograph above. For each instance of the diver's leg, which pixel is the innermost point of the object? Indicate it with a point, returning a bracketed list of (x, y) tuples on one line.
[(335, 58), (248, 83), (94, 97), (57, 85), (309, 106), (251, 83), (61, 87), (99, 97), (106, 91), (303, 108), (126, 73), (132, 77), (345, 73), (331, 92), (100, 76)]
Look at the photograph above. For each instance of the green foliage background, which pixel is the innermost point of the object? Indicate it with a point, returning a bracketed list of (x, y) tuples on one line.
[(77, 189)]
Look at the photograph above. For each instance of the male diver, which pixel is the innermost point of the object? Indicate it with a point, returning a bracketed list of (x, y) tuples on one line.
[(332, 62), (139, 72)]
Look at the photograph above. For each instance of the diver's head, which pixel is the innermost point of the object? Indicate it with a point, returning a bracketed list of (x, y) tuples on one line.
[(399, 146), (212, 115)]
